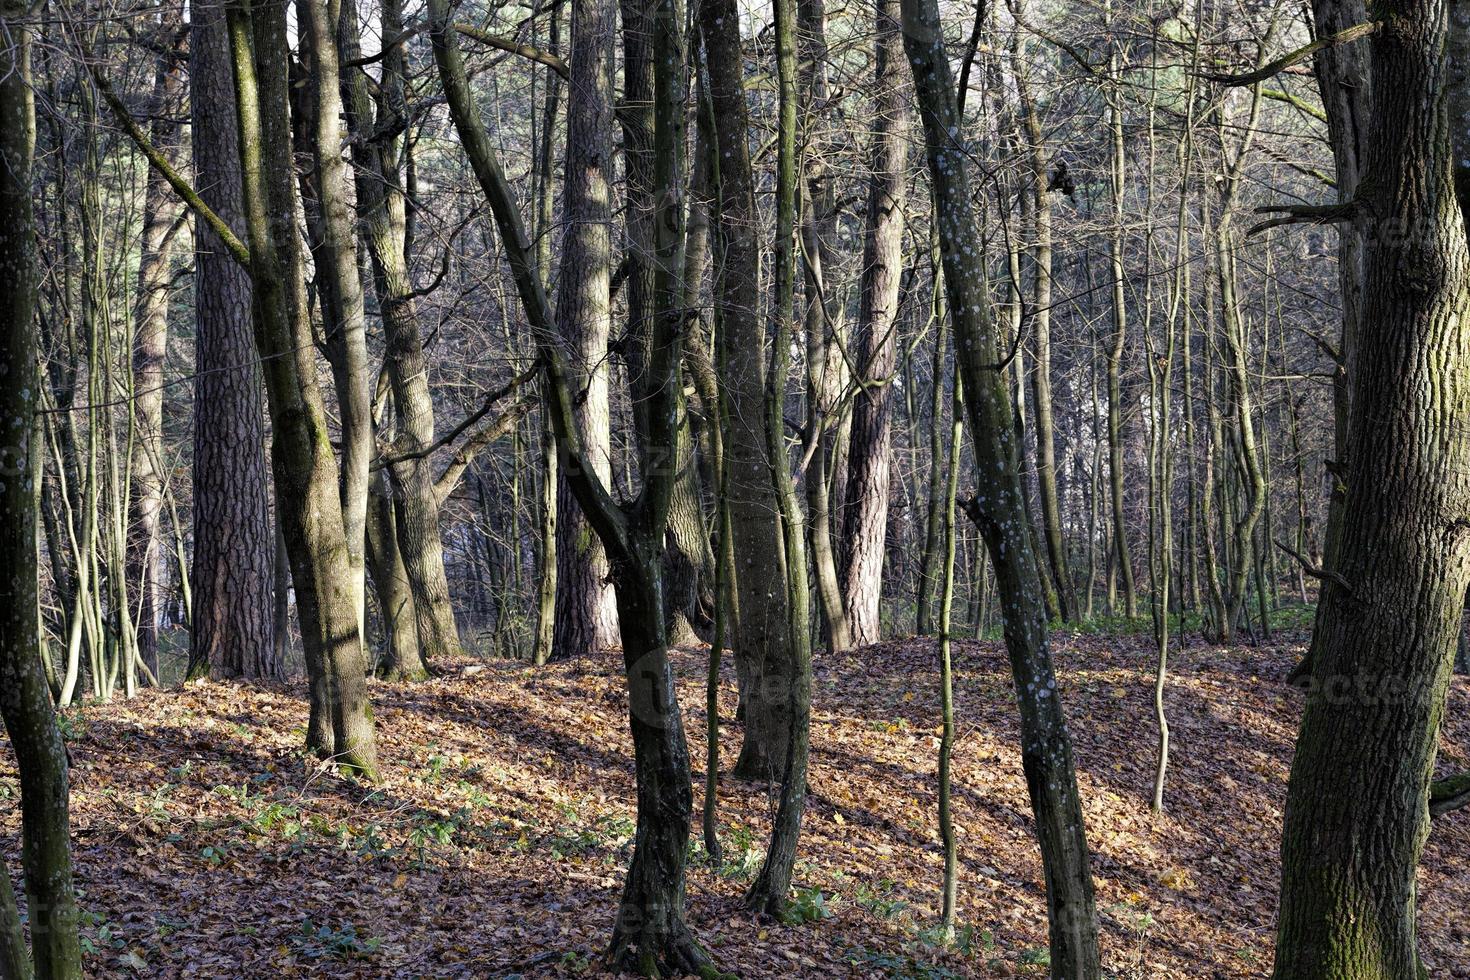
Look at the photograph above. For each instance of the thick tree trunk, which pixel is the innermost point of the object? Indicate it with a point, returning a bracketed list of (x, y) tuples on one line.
[(1370, 728), (586, 612), (865, 521), (999, 510), (25, 700), (230, 577)]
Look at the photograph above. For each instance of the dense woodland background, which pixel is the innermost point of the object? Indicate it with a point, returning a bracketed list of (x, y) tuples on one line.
[(908, 390)]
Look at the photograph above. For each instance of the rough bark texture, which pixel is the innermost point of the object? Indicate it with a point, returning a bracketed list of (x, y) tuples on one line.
[(1357, 804), (230, 577), (586, 612), (865, 521), (25, 700), (999, 509), (761, 635), (401, 659)]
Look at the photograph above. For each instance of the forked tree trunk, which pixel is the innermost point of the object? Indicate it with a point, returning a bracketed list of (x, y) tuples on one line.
[(763, 637), (650, 936), (1370, 729), (307, 496), (999, 509)]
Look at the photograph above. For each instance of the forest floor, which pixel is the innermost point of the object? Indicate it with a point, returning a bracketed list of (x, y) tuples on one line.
[(208, 846)]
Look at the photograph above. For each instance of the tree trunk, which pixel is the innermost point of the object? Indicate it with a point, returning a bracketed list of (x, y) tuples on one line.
[(307, 495), (25, 700), (586, 612), (865, 521), (762, 637), (377, 149), (150, 351), (999, 510), (230, 578), (1370, 728)]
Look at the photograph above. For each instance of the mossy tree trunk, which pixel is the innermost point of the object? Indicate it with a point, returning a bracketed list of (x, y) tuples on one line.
[(25, 699), (1370, 728)]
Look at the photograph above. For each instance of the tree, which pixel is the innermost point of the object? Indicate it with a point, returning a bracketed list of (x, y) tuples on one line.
[(230, 573), (650, 936), (999, 508), (865, 523), (1370, 727), (25, 699)]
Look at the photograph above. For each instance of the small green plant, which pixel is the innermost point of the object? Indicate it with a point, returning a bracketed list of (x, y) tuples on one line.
[(322, 942), (879, 898), (808, 905), (213, 855)]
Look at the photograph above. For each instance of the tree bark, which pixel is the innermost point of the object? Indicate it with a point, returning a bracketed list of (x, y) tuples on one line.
[(25, 700), (865, 521), (999, 509), (230, 577), (1370, 728), (307, 495)]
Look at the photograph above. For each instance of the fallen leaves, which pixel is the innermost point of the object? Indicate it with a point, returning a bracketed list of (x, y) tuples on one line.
[(208, 846)]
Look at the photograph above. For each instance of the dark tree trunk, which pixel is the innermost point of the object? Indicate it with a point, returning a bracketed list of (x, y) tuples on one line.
[(1370, 728), (230, 577), (25, 700)]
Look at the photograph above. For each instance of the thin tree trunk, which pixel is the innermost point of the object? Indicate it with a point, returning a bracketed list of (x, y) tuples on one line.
[(1000, 512), (25, 699)]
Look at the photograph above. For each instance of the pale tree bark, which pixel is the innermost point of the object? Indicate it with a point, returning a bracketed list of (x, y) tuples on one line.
[(25, 700), (999, 509), (1371, 725), (376, 120), (230, 576), (586, 612), (161, 211), (338, 279), (865, 521), (306, 475)]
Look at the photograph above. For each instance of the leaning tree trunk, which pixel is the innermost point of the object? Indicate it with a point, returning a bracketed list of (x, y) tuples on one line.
[(865, 523), (1370, 729), (230, 578), (999, 509), (25, 700)]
